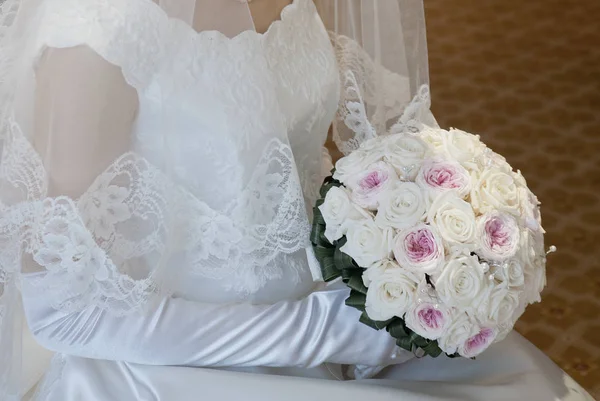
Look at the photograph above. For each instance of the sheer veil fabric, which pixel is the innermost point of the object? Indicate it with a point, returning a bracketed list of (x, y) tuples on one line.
[(99, 207)]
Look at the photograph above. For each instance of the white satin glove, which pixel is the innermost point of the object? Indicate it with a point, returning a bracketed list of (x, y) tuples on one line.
[(319, 328)]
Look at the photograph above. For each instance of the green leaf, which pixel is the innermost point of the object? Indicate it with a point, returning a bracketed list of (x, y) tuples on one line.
[(323, 252), (341, 242), (417, 340), (318, 218), (375, 324), (356, 300), (347, 275), (432, 349), (327, 185), (328, 269), (404, 343), (342, 260), (398, 329), (356, 283), (317, 236)]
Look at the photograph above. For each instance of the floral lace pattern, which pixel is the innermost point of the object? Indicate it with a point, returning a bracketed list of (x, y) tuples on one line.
[(134, 220), (361, 116), (91, 248), (270, 216)]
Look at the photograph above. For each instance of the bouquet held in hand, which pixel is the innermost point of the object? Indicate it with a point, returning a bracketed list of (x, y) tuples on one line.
[(439, 239)]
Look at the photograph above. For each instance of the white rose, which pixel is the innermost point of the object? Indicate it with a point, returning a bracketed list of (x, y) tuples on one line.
[(349, 167), (373, 184), (495, 190), (499, 306), (337, 210), (402, 207), (490, 159), (458, 333), (367, 243), (435, 139), (498, 236), (538, 283), (529, 208), (462, 282), (427, 317), (391, 290), (406, 154), (498, 161), (419, 249), (506, 328), (511, 273), (454, 219), (464, 147), (437, 176), (526, 249), (519, 179), (535, 281), (533, 258), (531, 249)]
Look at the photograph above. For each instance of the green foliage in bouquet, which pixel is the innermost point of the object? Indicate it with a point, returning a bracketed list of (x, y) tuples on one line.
[(334, 264)]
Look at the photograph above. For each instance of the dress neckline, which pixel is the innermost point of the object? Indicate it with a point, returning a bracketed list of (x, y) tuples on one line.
[(285, 13)]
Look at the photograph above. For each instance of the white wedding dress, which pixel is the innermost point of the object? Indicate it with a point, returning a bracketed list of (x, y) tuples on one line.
[(177, 266)]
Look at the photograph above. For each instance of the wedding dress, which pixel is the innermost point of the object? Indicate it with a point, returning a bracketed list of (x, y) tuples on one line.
[(156, 180)]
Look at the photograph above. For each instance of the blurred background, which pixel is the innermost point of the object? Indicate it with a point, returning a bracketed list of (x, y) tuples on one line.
[(525, 75)]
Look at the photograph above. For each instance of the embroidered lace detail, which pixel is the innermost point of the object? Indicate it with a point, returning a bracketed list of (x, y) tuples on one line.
[(230, 239), (415, 114), (370, 97), (117, 245), (144, 32)]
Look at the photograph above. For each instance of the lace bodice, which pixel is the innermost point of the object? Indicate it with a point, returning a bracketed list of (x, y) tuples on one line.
[(211, 201), (226, 98)]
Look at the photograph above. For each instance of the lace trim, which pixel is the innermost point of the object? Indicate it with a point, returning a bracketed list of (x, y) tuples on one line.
[(370, 97), (116, 245), (415, 113), (283, 16), (142, 29)]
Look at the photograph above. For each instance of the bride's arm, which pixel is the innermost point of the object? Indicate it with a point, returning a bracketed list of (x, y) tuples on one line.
[(84, 114), (319, 328)]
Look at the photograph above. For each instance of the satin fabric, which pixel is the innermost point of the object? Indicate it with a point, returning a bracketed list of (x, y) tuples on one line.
[(511, 370), (303, 333)]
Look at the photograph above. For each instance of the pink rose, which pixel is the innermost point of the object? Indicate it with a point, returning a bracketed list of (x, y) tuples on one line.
[(373, 184), (419, 249), (478, 343), (498, 235), (428, 319), (437, 176)]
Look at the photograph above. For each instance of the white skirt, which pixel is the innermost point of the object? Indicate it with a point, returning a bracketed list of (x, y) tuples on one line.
[(511, 370)]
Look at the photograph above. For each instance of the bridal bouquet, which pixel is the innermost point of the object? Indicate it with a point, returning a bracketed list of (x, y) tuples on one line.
[(438, 238)]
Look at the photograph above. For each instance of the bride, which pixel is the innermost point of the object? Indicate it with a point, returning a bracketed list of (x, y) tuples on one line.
[(159, 163)]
